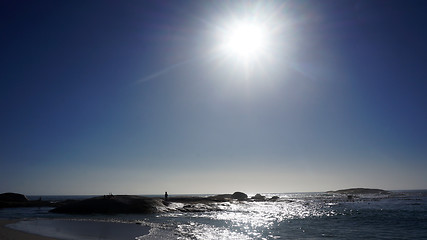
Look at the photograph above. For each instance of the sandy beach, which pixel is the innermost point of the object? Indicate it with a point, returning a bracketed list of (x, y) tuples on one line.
[(11, 234), (70, 229)]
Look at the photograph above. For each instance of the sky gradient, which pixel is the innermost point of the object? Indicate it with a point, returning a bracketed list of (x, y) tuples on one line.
[(133, 97)]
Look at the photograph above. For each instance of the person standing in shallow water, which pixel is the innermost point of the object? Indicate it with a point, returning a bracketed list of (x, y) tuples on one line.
[(166, 196)]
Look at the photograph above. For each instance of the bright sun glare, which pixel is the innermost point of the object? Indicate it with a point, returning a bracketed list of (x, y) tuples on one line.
[(245, 40)]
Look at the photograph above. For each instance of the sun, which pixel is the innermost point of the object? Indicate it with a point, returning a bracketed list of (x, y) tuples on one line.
[(245, 40)]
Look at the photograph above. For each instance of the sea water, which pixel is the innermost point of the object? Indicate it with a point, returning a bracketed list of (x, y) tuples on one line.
[(400, 215)]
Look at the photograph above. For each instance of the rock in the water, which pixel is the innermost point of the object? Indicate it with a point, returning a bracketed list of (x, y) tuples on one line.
[(239, 196), (274, 198), (13, 197), (112, 205), (220, 198), (360, 191), (258, 197)]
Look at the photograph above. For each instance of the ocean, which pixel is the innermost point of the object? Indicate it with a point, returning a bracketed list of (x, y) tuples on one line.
[(400, 215)]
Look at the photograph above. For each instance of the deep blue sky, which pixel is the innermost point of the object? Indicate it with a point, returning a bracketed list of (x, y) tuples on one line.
[(131, 97)]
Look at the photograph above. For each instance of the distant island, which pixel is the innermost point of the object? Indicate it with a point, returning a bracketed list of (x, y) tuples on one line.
[(360, 191)]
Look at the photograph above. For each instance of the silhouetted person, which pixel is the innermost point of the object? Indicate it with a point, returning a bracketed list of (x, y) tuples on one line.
[(166, 196)]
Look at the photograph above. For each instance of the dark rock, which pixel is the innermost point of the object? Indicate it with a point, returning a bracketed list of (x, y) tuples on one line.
[(258, 197), (360, 191), (274, 198), (13, 197), (198, 208), (191, 199), (239, 196), (112, 205), (15, 200), (221, 198)]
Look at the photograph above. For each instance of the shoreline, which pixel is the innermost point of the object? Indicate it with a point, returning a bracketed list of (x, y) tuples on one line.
[(57, 229), (7, 233)]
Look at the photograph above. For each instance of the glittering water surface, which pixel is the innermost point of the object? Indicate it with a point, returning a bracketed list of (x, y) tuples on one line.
[(401, 215), (310, 216)]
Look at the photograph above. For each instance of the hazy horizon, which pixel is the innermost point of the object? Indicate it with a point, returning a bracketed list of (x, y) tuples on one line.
[(161, 194), (143, 97)]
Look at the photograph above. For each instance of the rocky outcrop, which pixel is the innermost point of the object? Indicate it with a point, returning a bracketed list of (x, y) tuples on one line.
[(210, 199), (15, 200), (258, 197), (221, 198), (239, 196), (13, 197), (112, 205), (192, 199), (360, 191), (274, 198)]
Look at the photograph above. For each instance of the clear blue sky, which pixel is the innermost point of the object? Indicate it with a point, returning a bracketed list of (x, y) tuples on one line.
[(133, 97)]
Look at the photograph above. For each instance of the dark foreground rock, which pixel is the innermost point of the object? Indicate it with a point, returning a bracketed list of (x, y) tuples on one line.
[(112, 205), (15, 200), (13, 197), (360, 191)]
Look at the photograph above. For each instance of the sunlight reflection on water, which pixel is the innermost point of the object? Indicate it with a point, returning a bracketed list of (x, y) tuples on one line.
[(292, 216), (248, 220), (204, 231)]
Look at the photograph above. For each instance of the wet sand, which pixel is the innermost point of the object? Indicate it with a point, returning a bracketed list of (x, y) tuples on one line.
[(70, 229), (11, 234)]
